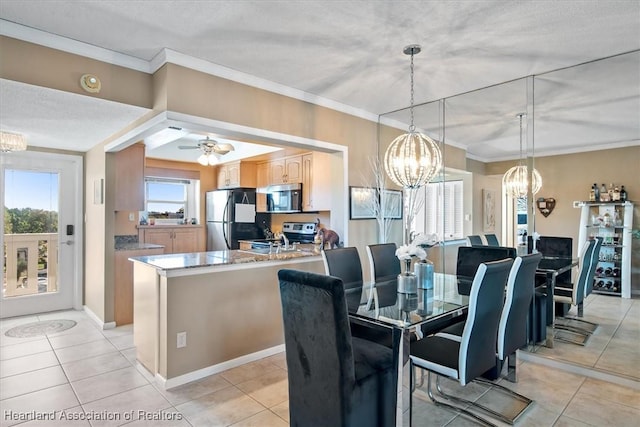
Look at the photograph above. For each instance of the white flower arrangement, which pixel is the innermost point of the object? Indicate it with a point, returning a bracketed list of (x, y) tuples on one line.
[(416, 247)]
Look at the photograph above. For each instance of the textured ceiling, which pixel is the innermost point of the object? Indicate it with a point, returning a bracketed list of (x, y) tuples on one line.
[(350, 52)]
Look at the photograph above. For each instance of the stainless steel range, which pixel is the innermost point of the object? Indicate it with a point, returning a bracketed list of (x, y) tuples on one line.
[(301, 232)]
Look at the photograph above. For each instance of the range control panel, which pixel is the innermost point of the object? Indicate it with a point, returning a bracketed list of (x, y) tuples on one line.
[(299, 227)]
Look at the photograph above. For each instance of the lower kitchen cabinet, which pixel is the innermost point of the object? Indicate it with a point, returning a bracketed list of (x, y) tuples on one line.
[(179, 239), (123, 286)]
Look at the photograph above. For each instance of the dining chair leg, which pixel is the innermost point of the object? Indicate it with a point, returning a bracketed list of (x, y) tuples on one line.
[(457, 409), (489, 411)]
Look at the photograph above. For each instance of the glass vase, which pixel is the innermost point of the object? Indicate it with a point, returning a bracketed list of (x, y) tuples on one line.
[(424, 273), (407, 280)]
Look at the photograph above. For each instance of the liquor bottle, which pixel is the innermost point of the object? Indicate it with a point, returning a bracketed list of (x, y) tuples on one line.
[(616, 194), (604, 196), (596, 191), (610, 191), (592, 194), (623, 194)]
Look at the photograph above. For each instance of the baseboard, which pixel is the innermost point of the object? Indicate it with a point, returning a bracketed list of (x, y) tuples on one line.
[(99, 322), (166, 384)]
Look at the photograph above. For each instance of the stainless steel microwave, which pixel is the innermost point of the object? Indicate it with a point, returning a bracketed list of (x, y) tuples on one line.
[(285, 198)]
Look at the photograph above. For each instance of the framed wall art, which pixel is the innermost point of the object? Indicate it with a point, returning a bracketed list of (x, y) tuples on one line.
[(489, 210), (393, 204), (362, 202)]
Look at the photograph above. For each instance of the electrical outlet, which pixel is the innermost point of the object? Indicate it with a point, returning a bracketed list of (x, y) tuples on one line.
[(131, 216), (181, 340)]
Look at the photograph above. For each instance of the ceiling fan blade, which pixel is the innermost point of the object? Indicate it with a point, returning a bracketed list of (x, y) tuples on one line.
[(188, 147), (222, 148)]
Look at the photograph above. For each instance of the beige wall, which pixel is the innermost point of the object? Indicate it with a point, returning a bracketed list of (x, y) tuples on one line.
[(94, 234), (41, 66)]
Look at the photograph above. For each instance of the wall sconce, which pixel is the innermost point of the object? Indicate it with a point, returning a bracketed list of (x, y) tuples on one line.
[(90, 83)]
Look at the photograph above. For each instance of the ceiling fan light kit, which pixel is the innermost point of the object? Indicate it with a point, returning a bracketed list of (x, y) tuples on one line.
[(212, 150)]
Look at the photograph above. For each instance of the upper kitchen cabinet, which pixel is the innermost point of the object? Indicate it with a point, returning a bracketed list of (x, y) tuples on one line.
[(237, 174), (286, 171), (316, 182), (129, 179)]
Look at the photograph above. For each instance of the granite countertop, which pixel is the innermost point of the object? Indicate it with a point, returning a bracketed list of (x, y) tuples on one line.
[(215, 258), (135, 246)]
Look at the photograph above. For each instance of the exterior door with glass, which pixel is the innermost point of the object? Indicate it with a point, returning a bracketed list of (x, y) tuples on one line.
[(42, 236)]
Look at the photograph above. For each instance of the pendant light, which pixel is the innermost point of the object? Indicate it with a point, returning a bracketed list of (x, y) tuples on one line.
[(516, 180), (10, 141), (412, 159)]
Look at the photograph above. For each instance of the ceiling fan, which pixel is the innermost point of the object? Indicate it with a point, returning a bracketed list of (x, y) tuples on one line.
[(212, 150)]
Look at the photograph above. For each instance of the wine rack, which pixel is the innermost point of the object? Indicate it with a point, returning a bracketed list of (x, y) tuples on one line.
[(613, 222)]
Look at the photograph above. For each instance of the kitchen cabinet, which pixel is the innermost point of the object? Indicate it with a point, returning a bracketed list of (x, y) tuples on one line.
[(287, 170), (129, 178), (179, 239), (262, 181), (316, 182), (237, 174), (123, 286)]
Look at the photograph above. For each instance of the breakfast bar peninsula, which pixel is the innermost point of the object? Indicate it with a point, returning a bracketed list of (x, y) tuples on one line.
[(196, 314)]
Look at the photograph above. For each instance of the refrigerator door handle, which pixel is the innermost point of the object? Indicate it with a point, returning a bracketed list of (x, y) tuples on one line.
[(225, 221)]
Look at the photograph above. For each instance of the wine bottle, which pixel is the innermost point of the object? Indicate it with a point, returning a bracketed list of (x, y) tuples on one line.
[(623, 194), (604, 196), (592, 194), (600, 284), (596, 192), (608, 271)]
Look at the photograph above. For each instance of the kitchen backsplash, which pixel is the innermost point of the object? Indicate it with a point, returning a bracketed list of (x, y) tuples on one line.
[(121, 240)]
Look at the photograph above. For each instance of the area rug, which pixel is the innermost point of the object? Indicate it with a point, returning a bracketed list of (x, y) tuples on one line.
[(40, 328)]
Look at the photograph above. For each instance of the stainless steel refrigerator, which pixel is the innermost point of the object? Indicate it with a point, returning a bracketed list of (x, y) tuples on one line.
[(227, 223)]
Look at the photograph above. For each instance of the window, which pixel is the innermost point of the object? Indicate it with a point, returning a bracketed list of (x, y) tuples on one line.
[(172, 200), (440, 210)]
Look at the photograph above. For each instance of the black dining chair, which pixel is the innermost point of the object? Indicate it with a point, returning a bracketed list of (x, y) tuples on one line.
[(574, 295), (474, 352), (475, 240), (344, 263), (492, 240), (469, 259), (334, 379), (512, 332), (384, 268)]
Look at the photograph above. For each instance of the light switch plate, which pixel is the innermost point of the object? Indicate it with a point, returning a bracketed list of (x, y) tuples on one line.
[(132, 217), (181, 340)]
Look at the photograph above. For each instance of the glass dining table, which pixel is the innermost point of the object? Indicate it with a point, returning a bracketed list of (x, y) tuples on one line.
[(422, 313)]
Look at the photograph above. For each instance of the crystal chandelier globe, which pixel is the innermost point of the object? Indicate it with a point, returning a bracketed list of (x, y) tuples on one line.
[(10, 141), (412, 159), (516, 180)]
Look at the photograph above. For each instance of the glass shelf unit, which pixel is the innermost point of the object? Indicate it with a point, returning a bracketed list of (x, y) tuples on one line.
[(613, 222)]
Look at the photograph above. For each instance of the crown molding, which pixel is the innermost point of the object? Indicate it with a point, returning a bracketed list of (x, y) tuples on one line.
[(31, 35)]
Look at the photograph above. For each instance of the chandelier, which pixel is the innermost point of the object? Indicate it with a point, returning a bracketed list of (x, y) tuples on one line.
[(10, 141), (516, 180), (412, 159)]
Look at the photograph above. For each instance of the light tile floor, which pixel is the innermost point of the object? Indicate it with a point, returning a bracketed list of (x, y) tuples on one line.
[(88, 377)]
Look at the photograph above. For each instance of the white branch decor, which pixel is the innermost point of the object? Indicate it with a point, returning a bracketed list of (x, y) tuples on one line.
[(380, 204)]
